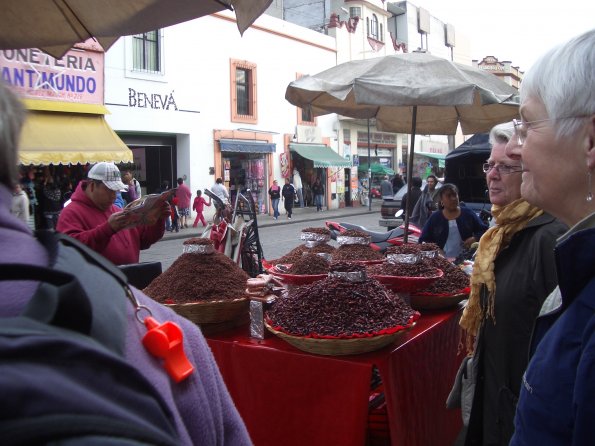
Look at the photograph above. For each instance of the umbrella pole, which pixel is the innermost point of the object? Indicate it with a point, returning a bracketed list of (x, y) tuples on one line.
[(410, 172), (369, 172)]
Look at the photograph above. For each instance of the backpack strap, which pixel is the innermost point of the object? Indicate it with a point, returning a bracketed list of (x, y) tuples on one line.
[(63, 304), (105, 286), (51, 241)]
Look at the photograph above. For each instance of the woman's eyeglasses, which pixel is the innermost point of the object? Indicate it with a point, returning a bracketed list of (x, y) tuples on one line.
[(521, 127), (502, 169)]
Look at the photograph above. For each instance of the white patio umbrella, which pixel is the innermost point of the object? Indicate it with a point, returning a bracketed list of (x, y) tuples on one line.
[(409, 93), (56, 25)]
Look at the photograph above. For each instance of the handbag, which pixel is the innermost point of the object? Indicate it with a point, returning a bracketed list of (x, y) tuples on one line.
[(463, 389)]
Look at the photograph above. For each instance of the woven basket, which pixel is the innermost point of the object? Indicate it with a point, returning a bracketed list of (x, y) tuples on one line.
[(435, 302), (213, 311), (338, 347)]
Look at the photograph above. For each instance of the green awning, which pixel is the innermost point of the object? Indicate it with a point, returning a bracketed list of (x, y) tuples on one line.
[(437, 156), (376, 168), (322, 156)]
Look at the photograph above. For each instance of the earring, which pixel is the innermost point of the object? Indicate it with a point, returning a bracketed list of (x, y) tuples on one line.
[(589, 191)]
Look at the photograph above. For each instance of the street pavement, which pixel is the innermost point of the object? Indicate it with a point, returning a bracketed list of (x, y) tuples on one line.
[(277, 237)]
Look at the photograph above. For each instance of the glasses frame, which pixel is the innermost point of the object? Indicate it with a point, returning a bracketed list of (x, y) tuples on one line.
[(521, 127), (502, 169)]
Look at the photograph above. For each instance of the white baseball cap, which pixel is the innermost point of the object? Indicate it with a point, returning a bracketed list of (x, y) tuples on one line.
[(109, 174)]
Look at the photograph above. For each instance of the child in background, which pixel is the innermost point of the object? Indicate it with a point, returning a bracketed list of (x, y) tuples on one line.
[(198, 206), (175, 217)]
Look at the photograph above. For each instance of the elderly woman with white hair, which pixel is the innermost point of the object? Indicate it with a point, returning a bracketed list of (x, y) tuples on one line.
[(513, 273), (555, 143)]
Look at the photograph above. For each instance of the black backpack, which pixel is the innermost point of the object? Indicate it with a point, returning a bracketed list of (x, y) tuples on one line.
[(63, 376)]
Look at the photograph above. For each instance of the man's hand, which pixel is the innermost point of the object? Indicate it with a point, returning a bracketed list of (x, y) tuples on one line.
[(120, 220)]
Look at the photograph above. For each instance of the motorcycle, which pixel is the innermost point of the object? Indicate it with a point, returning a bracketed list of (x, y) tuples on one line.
[(380, 240)]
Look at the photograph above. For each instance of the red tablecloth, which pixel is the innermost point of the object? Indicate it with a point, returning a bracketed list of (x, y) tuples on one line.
[(290, 397)]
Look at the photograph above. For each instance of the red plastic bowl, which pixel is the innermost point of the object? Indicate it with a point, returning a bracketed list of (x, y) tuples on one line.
[(295, 279), (405, 284), (266, 265)]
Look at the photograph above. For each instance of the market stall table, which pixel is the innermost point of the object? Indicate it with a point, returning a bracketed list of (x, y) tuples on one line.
[(290, 397)]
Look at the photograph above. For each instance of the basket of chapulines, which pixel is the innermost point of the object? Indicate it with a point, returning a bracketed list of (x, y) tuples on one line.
[(315, 242), (308, 268), (354, 246), (202, 285), (406, 269), (346, 313), (447, 291)]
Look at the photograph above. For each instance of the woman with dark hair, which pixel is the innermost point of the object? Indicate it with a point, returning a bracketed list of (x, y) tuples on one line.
[(453, 228)]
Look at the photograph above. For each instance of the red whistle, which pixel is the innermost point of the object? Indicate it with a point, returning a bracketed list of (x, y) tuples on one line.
[(164, 341)]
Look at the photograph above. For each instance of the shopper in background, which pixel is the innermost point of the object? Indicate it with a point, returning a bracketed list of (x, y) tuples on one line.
[(397, 182), (198, 206), (51, 201), (318, 192), (131, 193), (386, 189), (299, 188), (426, 203), (408, 203), (93, 219), (555, 143), (163, 188), (513, 273), (184, 195), (220, 190), (20, 204), (288, 193), (275, 194)]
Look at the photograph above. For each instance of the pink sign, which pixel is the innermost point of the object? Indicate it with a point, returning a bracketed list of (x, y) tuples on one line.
[(76, 77)]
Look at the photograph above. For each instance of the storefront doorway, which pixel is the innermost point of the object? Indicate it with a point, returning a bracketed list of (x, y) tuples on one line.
[(347, 178), (154, 160), (243, 171)]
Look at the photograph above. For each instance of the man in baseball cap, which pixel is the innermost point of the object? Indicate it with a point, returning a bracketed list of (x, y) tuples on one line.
[(109, 174), (93, 219)]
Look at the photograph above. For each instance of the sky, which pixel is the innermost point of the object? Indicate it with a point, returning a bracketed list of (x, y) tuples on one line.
[(518, 31)]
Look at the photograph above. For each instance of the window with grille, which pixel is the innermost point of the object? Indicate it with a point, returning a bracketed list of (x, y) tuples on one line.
[(243, 92), (374, 27), (355, 12), (146, 52), (307, 115), (304, 115)]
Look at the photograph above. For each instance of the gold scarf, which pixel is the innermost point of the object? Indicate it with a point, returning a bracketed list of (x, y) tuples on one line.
[(509, 220)]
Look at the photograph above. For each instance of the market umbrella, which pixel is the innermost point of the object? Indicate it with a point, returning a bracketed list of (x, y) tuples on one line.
[(379, 169), (56, 25), (409, 93)]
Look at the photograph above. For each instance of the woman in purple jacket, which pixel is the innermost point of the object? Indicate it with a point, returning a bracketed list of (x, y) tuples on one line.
[(203, 411)]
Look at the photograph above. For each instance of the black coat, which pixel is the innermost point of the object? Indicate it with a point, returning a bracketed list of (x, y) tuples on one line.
[(288, 192), (415, 194), (525, 275)]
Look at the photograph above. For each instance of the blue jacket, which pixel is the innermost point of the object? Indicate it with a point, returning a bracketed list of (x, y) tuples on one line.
[(436, 228), (557, 400)]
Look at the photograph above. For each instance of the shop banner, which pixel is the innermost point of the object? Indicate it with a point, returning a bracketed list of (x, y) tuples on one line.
[(76, 77)]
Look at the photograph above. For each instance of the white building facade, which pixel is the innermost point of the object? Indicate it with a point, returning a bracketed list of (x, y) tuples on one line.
[(198, 101), (180, 114)]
